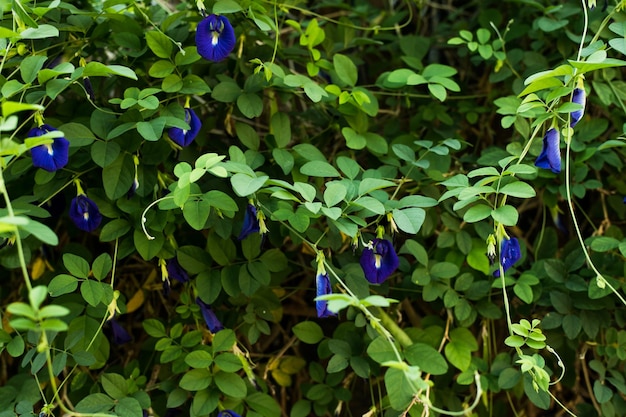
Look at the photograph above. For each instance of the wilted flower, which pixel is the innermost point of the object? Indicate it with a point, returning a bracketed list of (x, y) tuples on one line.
[(510, 253), (379, 260), (579, 97), (209, 316), (118, 333), (89, 88), (174, 270), (322, 282), (85, 213), (227, 413), (215, 38), (51, 156), (250, 222), (184, 137), (550, 156)]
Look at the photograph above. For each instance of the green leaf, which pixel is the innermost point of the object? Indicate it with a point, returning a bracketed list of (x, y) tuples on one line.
[(409, 220), (30, 66), (345, 69), (62, 284), (161, 69), (95, 403), (223, 340), (334, 193), (115, 385), (172, 83), (114, 229), (308, 332), (245, 185), (41, 32), (230, 384), (458, 355), (226, 7), (76, 265), (250, 105), (602, 393), (128, 406), (118, 176), (152, 130), (41, 232), (147, 248), (159, 44), (247, 135), (477, 213), (196, 212), (518, 189), (199, 359), (507, 215), (380, 350), (92, 292), (264, 404), (319, 169), (280, 127), (427, 358), (204, 402), (196, 380), (367, 185)]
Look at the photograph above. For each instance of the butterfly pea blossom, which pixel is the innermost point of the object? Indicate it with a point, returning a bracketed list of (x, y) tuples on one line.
[(510, 253), (379, 260), (85, 213), (184, 137), (209, 316), (550, 156), (51, 156), (118, 333), (215, 38), (174, 270), (322, 283), (579, 97), (227, 413)]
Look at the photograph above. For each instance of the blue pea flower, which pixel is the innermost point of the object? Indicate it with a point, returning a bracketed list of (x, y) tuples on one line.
[(215, 38), (209, 316), (579, 97), (250, 222), (227, 413), (322, 282), (89, 88), (174, 270), (51, 156), (550, 156), (184, 137), (510, 253), (118, 333), (85, 213), (379, 260)]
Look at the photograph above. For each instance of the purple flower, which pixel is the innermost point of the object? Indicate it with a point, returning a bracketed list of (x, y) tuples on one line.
[(550, 156), (133, 188), (118, 333), (379, 260), (250, 222), (85, 213), (89, 88), (51, 156), (215, 38), (227, 413), (184, 137), (510, 253), (579, 97), (323, 288), (174, 270), (209, 316)]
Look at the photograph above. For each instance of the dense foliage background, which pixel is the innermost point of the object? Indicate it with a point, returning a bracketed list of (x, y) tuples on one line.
[(147, 270)]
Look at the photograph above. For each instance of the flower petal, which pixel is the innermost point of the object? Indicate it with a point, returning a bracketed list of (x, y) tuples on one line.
[(550, 156), (49, 157), (174, 270), (379, 261), (118, 333), (85, 213), (185, 137), (227, 413), (578, 97), (510, 253), (322, 282), (215, 38), (250, 223), (209, 316)]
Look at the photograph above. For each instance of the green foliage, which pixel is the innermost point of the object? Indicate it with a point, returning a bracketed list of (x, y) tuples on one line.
[(329, 125)]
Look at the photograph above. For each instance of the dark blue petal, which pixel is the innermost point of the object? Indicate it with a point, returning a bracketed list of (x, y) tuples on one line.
[(174, 270), (89, 88), (50, 157), (380, 261), (250, 223), (209, 316), (578, 97), (215, 38), (323, 288), (227, 413), (510, 253), (85, 213), (119, 334), (550, 156), (185, 137)]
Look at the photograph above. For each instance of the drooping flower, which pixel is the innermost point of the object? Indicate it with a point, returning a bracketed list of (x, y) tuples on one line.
[(227, 413), (579, 97), (215, 38), (510, 253), (118, 333), (322, 283), (51, 156), (135, 184), (550, 156), (174, 270), (209, 316), (379, 260), (184, 137), (250, 222), (89, 88), (85, 213)]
